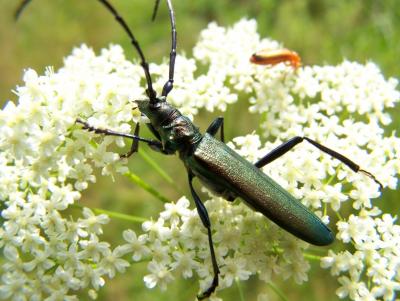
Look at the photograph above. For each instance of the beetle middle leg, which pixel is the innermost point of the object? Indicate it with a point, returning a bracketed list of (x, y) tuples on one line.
[(217, 124), (202, 211), (288, 145)]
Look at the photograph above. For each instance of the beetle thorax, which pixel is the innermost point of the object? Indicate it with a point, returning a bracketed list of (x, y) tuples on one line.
[(177, 132)]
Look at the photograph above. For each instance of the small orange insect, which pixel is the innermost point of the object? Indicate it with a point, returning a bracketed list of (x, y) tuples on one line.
[(276, 56)]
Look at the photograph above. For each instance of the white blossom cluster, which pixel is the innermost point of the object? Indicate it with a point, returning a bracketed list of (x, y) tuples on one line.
[(47, 160), (371, 272)]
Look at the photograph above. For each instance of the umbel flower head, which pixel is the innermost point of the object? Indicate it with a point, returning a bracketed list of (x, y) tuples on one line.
[(47, 161)]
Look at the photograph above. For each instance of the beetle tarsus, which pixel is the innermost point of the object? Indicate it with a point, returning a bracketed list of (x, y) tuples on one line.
[(210, 290), (134, 145), (370, 175)]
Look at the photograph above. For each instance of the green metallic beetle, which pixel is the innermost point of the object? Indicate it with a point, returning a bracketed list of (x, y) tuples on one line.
[(216, 165)]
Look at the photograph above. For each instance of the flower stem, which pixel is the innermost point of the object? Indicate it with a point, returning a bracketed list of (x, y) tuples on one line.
[(277, 291), (113, 214), (306, 255), (241, 295), (121, 216), (312, 256), (138, 181), (158, 169)]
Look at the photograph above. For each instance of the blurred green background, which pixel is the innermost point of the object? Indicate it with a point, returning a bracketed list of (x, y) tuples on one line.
[(321, 31)]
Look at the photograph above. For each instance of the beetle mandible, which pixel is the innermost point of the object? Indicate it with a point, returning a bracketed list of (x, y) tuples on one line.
[(217, 166)]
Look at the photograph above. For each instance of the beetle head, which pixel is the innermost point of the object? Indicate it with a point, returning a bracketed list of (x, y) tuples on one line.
[(157, 111)]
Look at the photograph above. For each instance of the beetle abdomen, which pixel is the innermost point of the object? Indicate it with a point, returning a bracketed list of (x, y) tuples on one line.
[(214, 162)]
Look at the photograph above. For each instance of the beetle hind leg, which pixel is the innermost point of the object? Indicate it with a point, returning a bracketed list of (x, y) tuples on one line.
[(203, 214), (288, 145)]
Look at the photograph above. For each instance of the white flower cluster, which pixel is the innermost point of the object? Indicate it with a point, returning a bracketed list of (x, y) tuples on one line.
[(246, 244), (47, 160), (376, 257)]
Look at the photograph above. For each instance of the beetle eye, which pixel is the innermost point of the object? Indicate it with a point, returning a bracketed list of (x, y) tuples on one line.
[(154, 105)]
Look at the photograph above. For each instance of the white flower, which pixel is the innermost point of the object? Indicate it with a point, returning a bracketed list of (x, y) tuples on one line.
[(160, 275), (184, 263), (111, 262), (350, 288), (41, 260), (234, 269), (136, 245), (93, 248), (160, 252), (92, 223), (173, 211), (156, 229)]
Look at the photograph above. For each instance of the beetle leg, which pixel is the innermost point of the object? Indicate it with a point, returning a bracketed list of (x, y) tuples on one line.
[(288, 145), (202, 211), (134, 145), (217, 124), (154, 144), (156, 4), (20, 8), (154, 131)]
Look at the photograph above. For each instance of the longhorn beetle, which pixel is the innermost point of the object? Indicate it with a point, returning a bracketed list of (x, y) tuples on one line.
[(216, 165)]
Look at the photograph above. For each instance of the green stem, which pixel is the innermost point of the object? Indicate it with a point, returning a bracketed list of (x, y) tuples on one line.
[(158, 169), (120, 216), (138, 181), (331, 178), (241, 295), (306, 255), (312, 256), (277, 291), (113, 214), (339, 215)]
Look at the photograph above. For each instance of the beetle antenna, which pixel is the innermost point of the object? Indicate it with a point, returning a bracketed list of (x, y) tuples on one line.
[(153, 17), (21, 8), (170, 83), (150, 91)]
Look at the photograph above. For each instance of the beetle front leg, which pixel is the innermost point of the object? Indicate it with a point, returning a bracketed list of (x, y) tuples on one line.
[(134, 145), (217, 124), (154, 144), (288, 145), (203, 214)]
